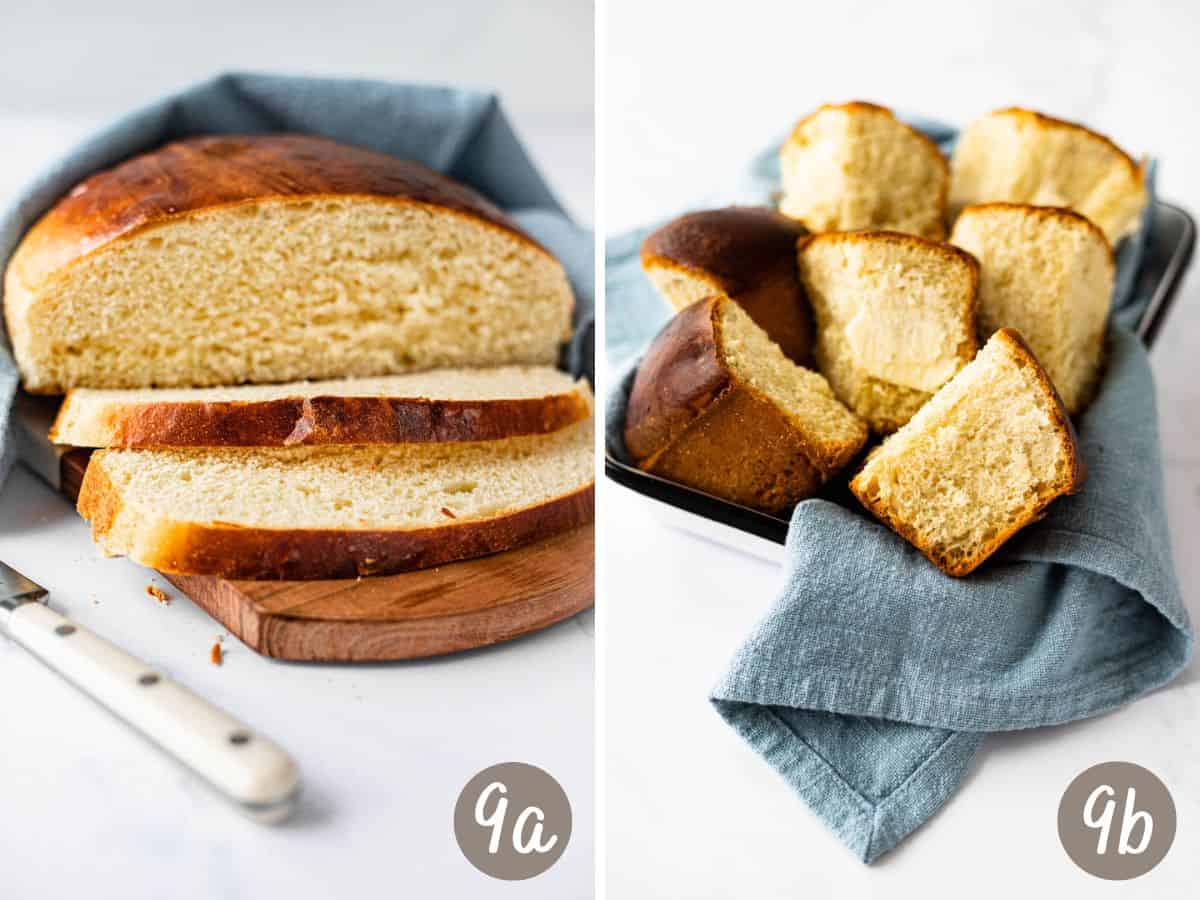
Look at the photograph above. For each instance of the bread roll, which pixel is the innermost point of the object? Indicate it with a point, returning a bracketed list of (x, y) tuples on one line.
[(895, 318), (979, 462), (856, 166), (1047, 273), (745, 253), (717, 406), (1020, 156)]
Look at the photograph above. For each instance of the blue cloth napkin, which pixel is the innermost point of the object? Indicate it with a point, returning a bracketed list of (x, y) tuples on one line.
[(874, 678), (461, 133)]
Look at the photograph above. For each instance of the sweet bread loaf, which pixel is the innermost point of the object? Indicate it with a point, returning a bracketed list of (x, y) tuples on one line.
[(222, 260)]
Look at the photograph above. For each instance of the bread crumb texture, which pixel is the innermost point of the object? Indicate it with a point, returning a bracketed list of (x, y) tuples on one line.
[(158, 594), (856, 166), (980, 460), (1020, 156), (280, 290), (1048, 273), (895, 319), (346, 488)]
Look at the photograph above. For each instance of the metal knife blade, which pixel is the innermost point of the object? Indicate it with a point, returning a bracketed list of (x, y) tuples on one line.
[(16, 590)]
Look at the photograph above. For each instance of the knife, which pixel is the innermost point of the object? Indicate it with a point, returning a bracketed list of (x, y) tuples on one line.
[(249, 770)]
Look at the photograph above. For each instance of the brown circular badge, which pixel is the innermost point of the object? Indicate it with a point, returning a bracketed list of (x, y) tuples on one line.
[(512, 821), (1116, 820)]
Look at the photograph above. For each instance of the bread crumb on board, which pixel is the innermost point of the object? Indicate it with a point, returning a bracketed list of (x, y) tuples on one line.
[(158, 594), (216, 655)]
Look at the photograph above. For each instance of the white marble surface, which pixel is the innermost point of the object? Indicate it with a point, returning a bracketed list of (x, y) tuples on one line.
[(687, 803), (88, 809)]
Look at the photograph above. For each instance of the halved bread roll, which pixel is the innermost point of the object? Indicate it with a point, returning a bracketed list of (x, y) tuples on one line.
[(895, 318), (980, 461), (1020, 156), (745, 253), (1048, 273), (222, 260), (717, 406), (335, 512), (856, 166), (442, 405)]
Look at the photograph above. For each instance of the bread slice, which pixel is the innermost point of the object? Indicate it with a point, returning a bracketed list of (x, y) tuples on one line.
[(1020, 156), (335, 512), (223, 260), (1048, 273), (895, 318), (856, 166), (443, 405), (717, 406), (745, 253), (979, 462)]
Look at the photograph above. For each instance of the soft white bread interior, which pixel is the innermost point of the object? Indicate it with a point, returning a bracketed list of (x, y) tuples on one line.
[(981, 460), (280, 290), (856, 166), (443, 404), (1020, 156), (308, 512), (895, 318), (1048, 273)]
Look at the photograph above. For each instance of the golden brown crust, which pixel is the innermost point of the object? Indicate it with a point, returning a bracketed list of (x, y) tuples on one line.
[(190, 176), (691, 419), (233, 551), (1076, 475), (1137, 169), (732, 246), (295, 421), (1059, 213), (747, 253), (679, 377)]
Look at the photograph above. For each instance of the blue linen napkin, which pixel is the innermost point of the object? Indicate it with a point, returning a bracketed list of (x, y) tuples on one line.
[(874, 678), (462, 133)]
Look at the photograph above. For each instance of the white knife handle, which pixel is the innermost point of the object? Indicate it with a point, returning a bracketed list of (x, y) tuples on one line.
[(247, 768)]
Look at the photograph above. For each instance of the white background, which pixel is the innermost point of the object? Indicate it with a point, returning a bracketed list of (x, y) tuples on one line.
[(692, 91), (90, 811)]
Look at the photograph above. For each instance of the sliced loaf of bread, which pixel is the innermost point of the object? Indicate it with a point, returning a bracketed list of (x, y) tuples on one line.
[(717, 406), (895, 318), (1020, 156), (335, 512), (856, 166), (441, 405), (224, 260), (745, 253), (980, 461), (1048, 273)]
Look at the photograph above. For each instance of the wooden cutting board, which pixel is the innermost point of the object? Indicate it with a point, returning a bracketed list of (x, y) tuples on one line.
[(389, 617)]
